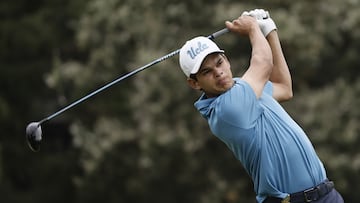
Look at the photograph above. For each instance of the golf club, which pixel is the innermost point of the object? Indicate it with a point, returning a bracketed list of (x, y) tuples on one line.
[(33, 130)]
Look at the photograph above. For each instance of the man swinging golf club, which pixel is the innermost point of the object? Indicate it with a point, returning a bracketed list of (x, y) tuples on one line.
[(245, 114)]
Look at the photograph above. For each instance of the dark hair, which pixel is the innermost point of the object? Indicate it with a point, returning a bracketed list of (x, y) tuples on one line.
[(193, 76)]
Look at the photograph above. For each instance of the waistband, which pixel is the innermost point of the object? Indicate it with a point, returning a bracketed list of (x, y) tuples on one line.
[(306, 196)]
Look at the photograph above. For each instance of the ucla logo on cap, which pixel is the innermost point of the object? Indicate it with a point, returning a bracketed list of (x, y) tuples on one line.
[(193, 52)]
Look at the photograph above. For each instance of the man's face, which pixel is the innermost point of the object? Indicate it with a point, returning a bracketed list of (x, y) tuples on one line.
[(214, 76)]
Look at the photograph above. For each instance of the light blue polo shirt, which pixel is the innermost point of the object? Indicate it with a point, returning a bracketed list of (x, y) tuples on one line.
[(271, 146)]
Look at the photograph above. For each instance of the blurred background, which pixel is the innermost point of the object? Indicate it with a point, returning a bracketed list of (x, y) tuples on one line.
[(142, 140)]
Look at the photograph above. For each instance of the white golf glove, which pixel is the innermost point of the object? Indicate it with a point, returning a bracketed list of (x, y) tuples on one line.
[(263, 18)]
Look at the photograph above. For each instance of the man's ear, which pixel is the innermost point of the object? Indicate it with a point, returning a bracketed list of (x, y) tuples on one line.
[(193, 84)]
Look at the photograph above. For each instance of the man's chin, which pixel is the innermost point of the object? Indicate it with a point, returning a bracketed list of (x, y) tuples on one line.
[(225, 85)]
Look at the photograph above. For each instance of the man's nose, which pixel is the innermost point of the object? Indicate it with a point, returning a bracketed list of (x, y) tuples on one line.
[(218, 72)]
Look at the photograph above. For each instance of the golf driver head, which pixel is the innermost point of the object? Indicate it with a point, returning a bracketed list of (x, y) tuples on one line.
[(33, 136)]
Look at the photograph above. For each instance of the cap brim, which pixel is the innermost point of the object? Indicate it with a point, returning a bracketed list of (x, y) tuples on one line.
[(199, 62)]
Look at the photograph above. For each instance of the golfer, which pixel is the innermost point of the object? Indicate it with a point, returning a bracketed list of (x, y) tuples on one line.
[(245, 114)]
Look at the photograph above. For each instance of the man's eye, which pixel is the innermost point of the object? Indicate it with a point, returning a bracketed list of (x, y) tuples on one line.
[(205, 72)]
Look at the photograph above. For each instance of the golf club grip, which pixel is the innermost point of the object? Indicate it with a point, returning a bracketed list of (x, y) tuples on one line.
[(218, 33)]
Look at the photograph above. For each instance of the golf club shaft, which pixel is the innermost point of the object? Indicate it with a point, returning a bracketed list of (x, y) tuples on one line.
[(212, 36), (218, 33)]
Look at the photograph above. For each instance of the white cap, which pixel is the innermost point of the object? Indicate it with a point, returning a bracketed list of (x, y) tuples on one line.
[(194, 52)]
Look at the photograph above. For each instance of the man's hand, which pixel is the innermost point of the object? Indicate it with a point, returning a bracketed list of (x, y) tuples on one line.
[(243, 25), (263, 18)]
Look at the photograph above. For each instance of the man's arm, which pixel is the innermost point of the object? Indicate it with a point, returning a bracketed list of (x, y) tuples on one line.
[(261, 62), (280, 76)]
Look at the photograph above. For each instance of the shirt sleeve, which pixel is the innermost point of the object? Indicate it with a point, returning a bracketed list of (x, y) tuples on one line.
[(239, 106), (268, 89)]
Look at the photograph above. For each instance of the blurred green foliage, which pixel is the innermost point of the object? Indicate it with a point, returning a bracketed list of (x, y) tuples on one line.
[(142, 140)]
